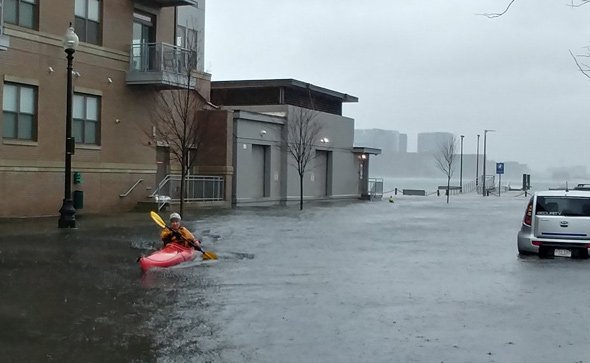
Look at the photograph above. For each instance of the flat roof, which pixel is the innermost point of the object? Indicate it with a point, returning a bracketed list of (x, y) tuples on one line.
[(366, 150), (288, 82)]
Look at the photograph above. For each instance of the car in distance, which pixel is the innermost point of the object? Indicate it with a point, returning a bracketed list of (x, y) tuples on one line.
[(557, 223)]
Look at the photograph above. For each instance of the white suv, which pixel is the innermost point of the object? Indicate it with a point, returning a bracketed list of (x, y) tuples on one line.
[(557, 223)]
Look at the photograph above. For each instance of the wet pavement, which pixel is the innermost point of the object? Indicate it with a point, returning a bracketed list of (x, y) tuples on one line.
[(412, 281)]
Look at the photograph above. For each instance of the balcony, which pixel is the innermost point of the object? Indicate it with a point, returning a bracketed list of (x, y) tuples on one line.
[(168, 3), (161, 64), (4, 43)]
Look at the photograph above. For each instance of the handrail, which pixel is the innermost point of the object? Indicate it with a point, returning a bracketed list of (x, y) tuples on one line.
[(130, 189), (160, 185)]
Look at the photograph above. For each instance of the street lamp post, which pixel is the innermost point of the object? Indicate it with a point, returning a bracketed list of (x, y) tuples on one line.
[(461, 168), (67, 217), (485, 132), (477, 165)]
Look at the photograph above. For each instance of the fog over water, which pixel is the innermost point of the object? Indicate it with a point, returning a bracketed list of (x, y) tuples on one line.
[(425, 66)]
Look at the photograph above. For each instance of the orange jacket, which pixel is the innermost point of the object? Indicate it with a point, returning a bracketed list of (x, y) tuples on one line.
[(167, 236)]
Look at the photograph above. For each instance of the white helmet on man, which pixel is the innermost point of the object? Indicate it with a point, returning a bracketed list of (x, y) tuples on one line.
[(175, 216)]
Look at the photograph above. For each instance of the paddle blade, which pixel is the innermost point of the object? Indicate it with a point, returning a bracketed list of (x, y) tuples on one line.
[(209, 255), (156, 218)]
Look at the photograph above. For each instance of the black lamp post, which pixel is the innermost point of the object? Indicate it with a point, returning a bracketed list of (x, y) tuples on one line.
[(485, 132), (67, 212), (477, 165), (461, 168)]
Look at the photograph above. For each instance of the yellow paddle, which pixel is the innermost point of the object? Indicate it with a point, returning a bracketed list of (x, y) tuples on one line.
[(160, 222)]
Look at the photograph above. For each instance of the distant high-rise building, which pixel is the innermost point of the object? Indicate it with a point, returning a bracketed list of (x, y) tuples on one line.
[(430, 142), (403, 143), (386, 140)]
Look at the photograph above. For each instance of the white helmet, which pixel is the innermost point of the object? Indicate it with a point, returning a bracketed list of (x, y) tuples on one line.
[(175, 216)]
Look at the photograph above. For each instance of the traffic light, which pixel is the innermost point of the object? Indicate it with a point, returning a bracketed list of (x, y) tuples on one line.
[(77, 177)]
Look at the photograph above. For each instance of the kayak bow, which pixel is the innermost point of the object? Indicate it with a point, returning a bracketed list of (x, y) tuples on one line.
[(172, 254)]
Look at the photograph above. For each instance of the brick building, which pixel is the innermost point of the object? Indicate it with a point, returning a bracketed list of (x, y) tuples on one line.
[(128, 52)]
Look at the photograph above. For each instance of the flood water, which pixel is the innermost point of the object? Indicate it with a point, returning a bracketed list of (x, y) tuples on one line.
[(412, 281)]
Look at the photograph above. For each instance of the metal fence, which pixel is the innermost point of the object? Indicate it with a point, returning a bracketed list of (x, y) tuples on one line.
[(198, 188), (376, 188)]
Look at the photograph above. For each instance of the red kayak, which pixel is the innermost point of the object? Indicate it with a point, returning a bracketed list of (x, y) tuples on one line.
[(172, 254)]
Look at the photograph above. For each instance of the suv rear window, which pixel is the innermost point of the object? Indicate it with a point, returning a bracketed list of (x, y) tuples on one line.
[(563, 206)]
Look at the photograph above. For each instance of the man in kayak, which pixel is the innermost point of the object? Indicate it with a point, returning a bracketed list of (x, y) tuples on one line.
[(179, 234)]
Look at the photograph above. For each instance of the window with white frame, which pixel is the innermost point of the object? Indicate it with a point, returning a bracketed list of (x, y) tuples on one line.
[(21, 12), (19, 112), (88, 21), (86, 118)]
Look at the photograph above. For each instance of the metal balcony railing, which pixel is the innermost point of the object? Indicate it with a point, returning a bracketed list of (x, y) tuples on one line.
[(161, 63)]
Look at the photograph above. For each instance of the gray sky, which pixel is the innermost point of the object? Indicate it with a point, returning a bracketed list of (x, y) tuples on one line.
[(421, 66)]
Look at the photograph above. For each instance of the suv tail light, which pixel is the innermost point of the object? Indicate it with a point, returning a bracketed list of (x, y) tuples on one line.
[(528, 214)]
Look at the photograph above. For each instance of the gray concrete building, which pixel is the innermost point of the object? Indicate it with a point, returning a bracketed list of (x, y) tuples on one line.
[(264, 172)]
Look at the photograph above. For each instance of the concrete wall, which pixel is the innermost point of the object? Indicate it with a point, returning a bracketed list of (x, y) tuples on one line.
[(333, 174), (258, 158)]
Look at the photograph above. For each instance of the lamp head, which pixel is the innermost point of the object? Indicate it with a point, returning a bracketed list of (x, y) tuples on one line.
[(71, 39)]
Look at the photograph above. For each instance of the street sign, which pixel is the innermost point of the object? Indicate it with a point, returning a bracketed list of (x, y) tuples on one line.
[(500, 168)]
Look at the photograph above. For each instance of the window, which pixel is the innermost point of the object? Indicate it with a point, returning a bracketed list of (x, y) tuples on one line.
[(88, 20), (19, 112), (186, 37), (21, 12), (563, 206), (86, 127)]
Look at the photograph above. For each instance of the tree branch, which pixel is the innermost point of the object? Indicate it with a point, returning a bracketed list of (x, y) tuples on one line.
[(585, 72), (497, 15)]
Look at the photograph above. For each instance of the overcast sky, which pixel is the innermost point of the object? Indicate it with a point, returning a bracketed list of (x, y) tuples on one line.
[(420, 66)]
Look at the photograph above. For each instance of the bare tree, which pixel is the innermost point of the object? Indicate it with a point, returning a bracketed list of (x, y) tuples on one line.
[(300, 139), (445, 159), (573, 4), (176, 118), (582, 65)]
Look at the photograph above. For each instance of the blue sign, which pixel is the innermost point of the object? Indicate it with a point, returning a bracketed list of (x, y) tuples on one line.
[(500, 168)]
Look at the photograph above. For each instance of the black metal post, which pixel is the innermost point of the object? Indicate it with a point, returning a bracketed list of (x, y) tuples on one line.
[(67, 218), (461, 168), (477, 165), (483, 182)]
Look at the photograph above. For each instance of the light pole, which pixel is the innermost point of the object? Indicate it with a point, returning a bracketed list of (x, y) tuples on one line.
[(67, 212), (485, 132), (461, 168), (477, 165)]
